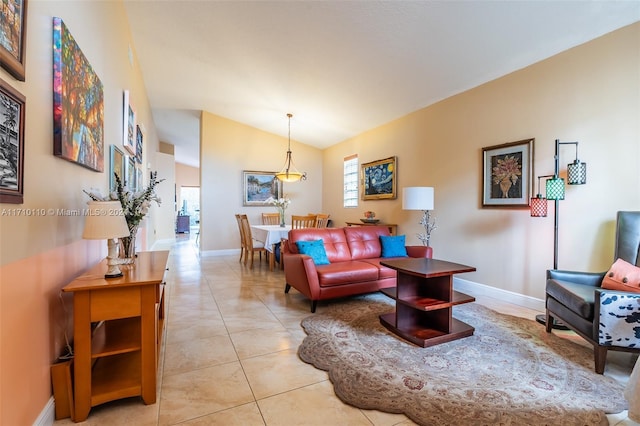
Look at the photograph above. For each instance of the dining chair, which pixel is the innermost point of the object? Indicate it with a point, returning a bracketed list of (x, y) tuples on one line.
[(298, 222), (251, 246), (270, 218), (322, 220), (243, 251)]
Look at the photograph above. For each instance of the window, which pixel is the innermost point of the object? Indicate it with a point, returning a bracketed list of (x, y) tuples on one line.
[(351, 181)]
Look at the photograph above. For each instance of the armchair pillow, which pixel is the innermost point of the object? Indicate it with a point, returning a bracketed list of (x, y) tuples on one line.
[(315, 249), (393, 246), (622, 276)]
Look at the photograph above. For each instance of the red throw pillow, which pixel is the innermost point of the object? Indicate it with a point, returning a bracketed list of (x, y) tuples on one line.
[(622, 276)]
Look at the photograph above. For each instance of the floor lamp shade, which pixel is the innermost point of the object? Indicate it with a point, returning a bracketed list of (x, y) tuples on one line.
[(538, 207), (555, 189), (417, 198)]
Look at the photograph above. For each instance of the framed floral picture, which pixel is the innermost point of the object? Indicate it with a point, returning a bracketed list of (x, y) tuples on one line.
[(379, 179), (13, 37), (507, 174), (12, 115), (257, 187)]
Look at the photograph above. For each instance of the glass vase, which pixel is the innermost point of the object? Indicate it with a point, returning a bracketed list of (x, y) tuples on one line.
[(128, 247), (281, 211)]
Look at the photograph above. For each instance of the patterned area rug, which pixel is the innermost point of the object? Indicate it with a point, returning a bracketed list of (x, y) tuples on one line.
[(510, 372)]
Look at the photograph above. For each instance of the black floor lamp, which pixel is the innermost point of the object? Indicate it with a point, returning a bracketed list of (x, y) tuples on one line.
[(554, 190)]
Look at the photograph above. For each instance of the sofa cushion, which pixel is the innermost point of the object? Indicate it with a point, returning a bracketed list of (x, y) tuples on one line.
[(576, 297), (383, 271), (335, 242), (364, 241), (622, 276), (341, 273), (315, 249), (393, 246)]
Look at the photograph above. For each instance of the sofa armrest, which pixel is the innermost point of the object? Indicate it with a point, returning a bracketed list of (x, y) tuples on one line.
[(419, 251), (619, 318), (300, 273), (593, 279)]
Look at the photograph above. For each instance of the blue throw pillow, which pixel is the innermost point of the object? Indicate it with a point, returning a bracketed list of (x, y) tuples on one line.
[(393, 246), (315, 249)]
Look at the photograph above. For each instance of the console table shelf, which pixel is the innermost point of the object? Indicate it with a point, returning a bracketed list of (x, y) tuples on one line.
[(118, 326)]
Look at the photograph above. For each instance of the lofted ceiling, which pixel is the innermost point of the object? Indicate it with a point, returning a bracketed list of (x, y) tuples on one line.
[(340, 67)]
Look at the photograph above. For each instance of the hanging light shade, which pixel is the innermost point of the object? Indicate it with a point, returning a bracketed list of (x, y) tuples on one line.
[(538, 206), (289, 173), (555, 189), (577, 173)]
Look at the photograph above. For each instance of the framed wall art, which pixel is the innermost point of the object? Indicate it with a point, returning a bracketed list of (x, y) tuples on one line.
[(139, 138), (13, 37), (129, 125), (116, 166), (257, 187), (379, 179), (132, 180), (78, 103), (507, 177), (12, 105)]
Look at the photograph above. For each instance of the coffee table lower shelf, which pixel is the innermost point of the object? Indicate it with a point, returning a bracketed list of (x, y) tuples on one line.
[(426, 337)]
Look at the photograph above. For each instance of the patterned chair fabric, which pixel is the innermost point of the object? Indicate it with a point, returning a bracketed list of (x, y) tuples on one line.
[(619, 319)]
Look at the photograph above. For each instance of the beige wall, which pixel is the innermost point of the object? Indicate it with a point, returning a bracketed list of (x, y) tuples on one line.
[(40, 254), (226, 149), (589, 94)]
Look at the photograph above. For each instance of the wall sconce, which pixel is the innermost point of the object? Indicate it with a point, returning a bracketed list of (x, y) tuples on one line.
[(554, 190), (420, 198), (105, 221)]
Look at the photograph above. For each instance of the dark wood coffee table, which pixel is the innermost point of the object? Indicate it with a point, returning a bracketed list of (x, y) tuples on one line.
[(424, 298)]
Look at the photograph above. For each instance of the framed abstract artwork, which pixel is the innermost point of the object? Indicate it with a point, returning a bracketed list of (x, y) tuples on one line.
[(12, 105), (116, 166), (257, 187), (131, 180), (129, 125), (78, 103), (507, 174), (13, 37), (379, 179)]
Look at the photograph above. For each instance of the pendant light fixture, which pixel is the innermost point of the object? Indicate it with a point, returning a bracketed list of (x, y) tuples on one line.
[(289, 173)]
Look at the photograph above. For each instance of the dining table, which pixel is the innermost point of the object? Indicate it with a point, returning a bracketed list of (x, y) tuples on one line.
[(270, 235)]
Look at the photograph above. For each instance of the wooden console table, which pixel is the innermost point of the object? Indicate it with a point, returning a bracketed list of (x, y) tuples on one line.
[(393, 228), (117, 325), (424, 298)]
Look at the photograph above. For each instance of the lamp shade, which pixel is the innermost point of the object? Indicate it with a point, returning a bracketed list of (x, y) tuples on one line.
[(577, 173), (105, 220), (555, 189), (417, 198), (538, 206)]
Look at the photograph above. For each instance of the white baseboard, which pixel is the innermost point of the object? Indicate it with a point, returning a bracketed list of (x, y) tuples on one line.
[(477, 289), (47, 415)]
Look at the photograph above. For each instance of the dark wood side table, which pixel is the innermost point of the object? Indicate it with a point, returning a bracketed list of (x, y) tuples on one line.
[(424, 298)]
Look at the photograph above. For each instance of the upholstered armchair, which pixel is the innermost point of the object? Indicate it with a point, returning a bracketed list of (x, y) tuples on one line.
[(608, 319)]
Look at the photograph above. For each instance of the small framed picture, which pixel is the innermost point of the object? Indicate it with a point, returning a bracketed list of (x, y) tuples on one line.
[(116, 166), (379, 179), (12, 115), (257, 187), (129, 125), (132, 179), (139, 139), (507, 176)]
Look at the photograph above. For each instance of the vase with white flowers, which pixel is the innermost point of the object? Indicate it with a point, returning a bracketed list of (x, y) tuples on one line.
[(281, 204), (135, 206)]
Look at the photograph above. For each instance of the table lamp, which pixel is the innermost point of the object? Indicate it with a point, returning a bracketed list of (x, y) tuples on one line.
[(105, 220), (420, 198)]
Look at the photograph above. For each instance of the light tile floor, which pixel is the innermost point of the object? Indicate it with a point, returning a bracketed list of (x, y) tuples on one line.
[(229, 355)]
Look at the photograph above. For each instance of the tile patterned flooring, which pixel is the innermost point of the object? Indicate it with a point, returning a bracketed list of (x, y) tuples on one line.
[(229, 355)]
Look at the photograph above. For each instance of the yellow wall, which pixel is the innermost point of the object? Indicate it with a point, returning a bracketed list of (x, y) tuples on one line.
[(40, 254), (226, 149), (589, 94)]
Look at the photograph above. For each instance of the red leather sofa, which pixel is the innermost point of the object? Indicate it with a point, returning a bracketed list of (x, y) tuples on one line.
[(354, 254)]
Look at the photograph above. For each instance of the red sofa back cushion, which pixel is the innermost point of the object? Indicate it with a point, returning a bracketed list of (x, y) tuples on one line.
[(364, 241), (335, 242)]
